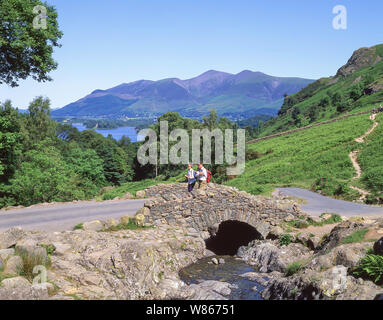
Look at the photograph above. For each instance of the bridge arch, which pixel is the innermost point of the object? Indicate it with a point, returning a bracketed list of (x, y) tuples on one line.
[(230, 236), (205, 212)]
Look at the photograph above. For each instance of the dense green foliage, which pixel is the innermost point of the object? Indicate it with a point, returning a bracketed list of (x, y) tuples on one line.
[(370, 267), (24, 50), (115, 123), (45, 161), (42, 161)]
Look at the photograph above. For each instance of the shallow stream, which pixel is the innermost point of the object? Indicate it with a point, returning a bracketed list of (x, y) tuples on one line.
[(229, 272)]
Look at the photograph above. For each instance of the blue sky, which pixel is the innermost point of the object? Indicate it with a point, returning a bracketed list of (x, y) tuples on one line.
[(108, 42)]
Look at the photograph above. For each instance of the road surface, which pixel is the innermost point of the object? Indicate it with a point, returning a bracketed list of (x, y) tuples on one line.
[(60, 217), (316, 204)]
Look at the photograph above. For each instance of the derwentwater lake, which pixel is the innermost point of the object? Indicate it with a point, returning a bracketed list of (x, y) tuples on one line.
[(116, 133)]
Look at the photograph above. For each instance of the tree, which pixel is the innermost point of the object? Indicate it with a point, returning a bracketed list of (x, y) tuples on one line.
[(38, 123), (324, 102), (336, 98), (356, 92), (26, 50), (44, 177), (313, 113), (89, 167), (210, 121), (10, 141)]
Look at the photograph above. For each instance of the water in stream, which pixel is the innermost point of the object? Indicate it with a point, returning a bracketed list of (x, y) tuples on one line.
[(229, 272)]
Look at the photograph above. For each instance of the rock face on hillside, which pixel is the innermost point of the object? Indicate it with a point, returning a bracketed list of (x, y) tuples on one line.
[(360, 59)]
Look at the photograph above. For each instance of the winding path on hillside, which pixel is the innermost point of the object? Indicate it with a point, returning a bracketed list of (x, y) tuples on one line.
[(316, 204), (64, 216), (354, 158)]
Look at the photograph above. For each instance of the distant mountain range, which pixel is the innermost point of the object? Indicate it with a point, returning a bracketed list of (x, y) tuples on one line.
[(237, 96)]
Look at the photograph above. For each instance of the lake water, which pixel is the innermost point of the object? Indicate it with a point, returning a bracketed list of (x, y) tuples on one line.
[(116, 133)]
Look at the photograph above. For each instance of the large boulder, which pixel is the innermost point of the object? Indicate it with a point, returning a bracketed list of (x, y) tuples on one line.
[(13, 266), (127, 196), (332, 284), (268, 256), (144, 211), (17, 282), (95, 225), (10, 237), (6, 253), (140, 194), (337, 234)]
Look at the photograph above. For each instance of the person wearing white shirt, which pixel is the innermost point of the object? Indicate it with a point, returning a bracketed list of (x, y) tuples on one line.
[(201, 176)]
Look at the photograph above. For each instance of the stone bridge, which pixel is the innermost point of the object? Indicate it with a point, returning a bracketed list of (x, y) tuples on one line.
[(203, 211)]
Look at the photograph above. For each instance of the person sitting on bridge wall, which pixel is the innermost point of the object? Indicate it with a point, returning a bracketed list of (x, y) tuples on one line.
[(202, 177), (191, 176)]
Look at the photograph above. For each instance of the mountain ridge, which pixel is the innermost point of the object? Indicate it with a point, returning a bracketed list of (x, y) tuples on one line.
[(229, 94)]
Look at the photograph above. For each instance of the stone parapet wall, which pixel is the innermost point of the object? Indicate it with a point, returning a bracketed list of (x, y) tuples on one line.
[(201, 211)]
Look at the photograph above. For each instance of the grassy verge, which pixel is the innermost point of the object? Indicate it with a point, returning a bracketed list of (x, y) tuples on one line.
[(131, 225), (357, 236), (305, 223), (131, 187)]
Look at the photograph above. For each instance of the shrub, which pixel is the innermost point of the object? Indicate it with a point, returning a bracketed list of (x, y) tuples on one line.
[(79, 226), (29, 262), (294, 268), (285, 239), (252, 154), (370, 267)]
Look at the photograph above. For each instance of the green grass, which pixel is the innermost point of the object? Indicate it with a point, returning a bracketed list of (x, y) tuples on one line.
[(357, 236), (294, 268), (303, 158), (79, 226), (370, 267), (131, 187), (29, 262), (335, 218), (371, 159), (6, 276), (285, 239), (131, 225)]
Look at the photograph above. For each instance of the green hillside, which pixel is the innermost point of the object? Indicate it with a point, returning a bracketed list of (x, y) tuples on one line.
[(303, 158), (357, 86), (371, 162)]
